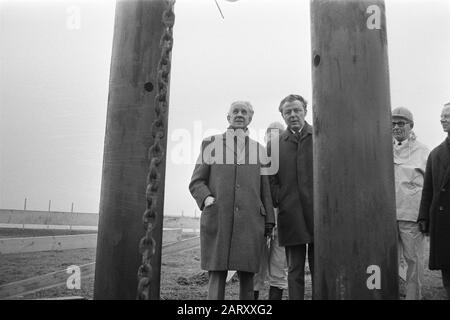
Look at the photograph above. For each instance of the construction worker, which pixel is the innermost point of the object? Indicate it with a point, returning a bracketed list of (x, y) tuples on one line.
[(409, 166)]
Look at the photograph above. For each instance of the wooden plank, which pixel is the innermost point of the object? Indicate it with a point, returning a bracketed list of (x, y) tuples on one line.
[(47, 226), (50, 218), (59, 278), (64, 298), (58, 243)]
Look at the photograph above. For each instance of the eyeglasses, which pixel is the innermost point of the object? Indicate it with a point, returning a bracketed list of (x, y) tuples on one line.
[(400, 124)]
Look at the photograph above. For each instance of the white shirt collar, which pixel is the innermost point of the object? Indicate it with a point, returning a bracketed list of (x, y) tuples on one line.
[(293, 132)]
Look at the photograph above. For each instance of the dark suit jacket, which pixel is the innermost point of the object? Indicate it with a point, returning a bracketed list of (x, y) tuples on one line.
[(292, 188), (435, 205)]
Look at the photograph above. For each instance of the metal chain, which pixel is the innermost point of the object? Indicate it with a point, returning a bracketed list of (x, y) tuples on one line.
[(147, 245)]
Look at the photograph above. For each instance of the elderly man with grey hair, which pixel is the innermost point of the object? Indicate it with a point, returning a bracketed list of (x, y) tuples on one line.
[(230, 188), (410, 157)]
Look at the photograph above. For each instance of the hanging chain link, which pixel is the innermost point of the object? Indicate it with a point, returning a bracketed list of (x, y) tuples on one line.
[(147, 245)]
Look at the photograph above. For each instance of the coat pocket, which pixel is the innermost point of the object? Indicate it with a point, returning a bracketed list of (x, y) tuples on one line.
[(211, 208)]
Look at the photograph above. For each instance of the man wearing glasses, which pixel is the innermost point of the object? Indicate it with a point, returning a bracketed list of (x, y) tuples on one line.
[(410, 158)]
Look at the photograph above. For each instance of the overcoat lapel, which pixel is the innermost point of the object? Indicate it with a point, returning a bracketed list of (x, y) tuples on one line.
[(238, 154), (445, 158), (289, 136), (307, 130)]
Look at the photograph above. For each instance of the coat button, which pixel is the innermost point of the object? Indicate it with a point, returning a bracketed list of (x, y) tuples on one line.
[(441, 208), (237, 186), (443, 190), (236, 209)]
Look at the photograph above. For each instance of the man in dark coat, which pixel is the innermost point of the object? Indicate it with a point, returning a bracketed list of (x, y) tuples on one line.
[(434, 214), (230, 188), (292, 193)]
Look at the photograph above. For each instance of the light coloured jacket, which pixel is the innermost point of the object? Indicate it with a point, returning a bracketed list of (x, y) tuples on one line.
[(410, 160)]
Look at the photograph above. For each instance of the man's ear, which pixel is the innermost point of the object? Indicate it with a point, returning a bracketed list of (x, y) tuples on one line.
[(228, 117), (250, 119)]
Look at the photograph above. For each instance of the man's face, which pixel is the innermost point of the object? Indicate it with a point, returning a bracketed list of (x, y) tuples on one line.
[(239, 117), (445, 118), (294, 114), (401, 128)]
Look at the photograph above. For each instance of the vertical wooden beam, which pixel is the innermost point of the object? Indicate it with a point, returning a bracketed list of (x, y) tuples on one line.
[(355, 222), (131, 111)]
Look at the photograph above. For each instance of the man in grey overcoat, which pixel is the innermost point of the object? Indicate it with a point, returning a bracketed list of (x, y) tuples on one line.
[(292, 192), (231, 189), (434, 213)]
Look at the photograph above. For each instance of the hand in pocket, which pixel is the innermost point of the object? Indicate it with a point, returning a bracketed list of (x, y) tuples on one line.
[(209, 201)]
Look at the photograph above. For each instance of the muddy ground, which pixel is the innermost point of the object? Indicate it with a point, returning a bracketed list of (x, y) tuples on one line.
[(181, 277)]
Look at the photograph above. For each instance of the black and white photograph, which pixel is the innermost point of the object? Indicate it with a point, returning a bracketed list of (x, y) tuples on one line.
[(229, 150)]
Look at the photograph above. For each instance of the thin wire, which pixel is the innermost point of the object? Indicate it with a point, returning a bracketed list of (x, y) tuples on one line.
[(219, 9)]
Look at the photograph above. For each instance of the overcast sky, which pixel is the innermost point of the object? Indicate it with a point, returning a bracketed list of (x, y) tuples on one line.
[(54, 77)]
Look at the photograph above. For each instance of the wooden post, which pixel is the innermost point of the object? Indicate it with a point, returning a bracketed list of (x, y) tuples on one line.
[(49, 205), (131, 112), (355, 220), (25, 204)]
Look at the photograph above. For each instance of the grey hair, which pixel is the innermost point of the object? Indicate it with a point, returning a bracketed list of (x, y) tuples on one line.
[(247, 104)]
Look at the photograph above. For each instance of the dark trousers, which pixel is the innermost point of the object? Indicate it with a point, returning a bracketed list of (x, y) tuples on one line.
[(217, 281), (446, 281), (296, 258)]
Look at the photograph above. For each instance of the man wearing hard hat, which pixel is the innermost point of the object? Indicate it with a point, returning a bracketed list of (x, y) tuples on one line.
[(410, 158)]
